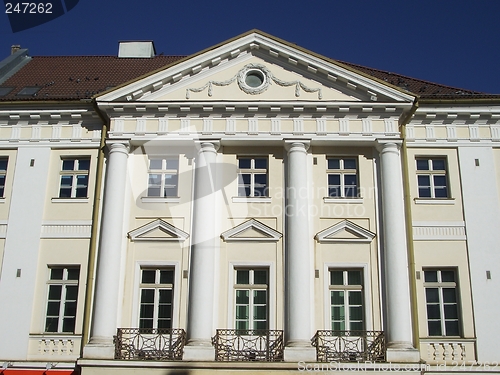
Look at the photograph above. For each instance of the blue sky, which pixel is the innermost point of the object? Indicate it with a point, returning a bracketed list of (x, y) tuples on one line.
[(456, 43)]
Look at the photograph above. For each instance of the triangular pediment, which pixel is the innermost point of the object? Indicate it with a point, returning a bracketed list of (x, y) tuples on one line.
[(158, 230), (251, 230), (345, 231), (288, 73)]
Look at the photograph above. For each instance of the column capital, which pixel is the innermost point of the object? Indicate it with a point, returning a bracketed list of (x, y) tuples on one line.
[(118, 145), (292, 145), (393, 145), (210, 145)]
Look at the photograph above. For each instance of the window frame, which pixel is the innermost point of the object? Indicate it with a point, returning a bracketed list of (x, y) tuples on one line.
[(432, 173), (157, 286), (3, 174), (64, 283), (164, 171), (252, 171), (343, 172), (74, 174), (441, 285), (251, 287)]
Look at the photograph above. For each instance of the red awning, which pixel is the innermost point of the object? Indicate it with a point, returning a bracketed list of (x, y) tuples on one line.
[(23, 371)]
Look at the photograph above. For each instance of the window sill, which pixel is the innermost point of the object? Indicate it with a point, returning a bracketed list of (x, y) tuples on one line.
[(435, 201), (2, 200), (251, 199), (70, 200), (160, 199), (343, 200)]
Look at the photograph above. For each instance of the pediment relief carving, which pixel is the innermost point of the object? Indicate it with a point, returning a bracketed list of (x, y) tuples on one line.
[(158, 230), (255, 79), (251, 230), (345, 231)]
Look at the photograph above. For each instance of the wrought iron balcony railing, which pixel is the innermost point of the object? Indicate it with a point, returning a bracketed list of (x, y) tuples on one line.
[(149, 344), (248, 345), (349, 346)]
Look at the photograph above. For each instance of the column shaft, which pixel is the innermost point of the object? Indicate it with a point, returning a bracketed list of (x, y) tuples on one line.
[(108, 264)]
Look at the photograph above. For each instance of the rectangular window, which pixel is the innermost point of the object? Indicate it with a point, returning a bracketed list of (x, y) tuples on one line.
[(156, 292), (252, 177), (346, 300), (163, 177), (431, 178), (3, 173), (74, 178), (251, 297), (442, 302), (62, 299), (342, 177)]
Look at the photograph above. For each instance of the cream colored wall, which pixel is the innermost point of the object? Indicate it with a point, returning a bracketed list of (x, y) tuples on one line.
[(451, 255), (78, 209), (436, 212)]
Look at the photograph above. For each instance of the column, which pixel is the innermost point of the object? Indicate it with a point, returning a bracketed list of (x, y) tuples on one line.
[(109, 256), (398, 309), (204, 244), (299, 272)]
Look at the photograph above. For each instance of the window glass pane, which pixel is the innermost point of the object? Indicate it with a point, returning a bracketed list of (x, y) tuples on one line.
[(450, 311), (338, 326), (261, 179), (433, 312), (261, 163), (73, 273), (244, 163), (242, 297), (145, 323), (55, 292), (242, 312), (449, 295), (432, 295), (356, 326), (349, 163), (147, 296), (338, 313), (71, 292), (242, 324), (243, 191), (441, 192), (3, 164), (336, 278), (452, 328), (147, 310), (260, 277), (260, 312), (242, 277), (354, 277), (333, 163), (164, 323), (334, 179), (148, 276), (166, 276), (165, 296), (260, 297), (56, 273), (68, 165), (155, 164), (53, 308), (51, 324), (172, 164), (447, 276), (244, 179), (68, 324), (260, 324), (70, 309), (355, 313), (84, 164), (355, 298), (430, 276), (438, 165), (337, 297), (422, 164), (434, 328)]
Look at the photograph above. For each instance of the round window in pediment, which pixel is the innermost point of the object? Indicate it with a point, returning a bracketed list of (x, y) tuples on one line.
[(255, 78)]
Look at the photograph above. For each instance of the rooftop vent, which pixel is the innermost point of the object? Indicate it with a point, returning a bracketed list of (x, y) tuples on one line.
[(142, 49)]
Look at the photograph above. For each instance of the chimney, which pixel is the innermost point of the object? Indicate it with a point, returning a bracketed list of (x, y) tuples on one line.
[(136, 49), (14, 48)]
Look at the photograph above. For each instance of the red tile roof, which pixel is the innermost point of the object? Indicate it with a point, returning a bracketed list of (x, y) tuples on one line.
[(81, 77)]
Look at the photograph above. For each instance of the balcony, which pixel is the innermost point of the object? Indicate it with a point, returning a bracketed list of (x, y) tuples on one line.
[(248, 345), (149, 344), (349, 346)]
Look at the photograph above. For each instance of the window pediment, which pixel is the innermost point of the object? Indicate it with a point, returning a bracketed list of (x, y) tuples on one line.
[(251, 230), (158, 230), (345, 231)]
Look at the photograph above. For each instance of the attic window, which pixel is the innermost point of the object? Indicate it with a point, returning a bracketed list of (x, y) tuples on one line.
[(255, 78), (29, 91), (5, 90)]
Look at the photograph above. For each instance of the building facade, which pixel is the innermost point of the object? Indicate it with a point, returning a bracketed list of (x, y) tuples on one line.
[(252, 207)]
